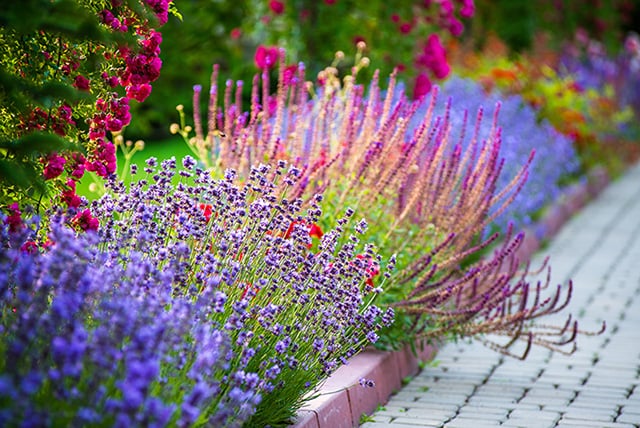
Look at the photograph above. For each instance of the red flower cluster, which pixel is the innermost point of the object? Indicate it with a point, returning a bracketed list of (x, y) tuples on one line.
[(434, 57), (85, 221), (81, 83), (14, 219), (373, 268), (69, 196), (54, 167), (207, 210)]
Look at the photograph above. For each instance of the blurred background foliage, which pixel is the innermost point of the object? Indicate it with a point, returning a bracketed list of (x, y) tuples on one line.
[(228, 33)]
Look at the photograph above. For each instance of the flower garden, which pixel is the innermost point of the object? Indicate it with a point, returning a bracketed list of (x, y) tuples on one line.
[(332, 201)]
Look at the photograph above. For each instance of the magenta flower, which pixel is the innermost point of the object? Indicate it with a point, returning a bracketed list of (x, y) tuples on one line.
[(235, 33), (455, 27), (405, 27), (434, 57), (102, 159), (69, 196), (139, 92), (55, 166), (276, 7), (422, 86), (290, 74), (14, 220), (468, 9), (85, 221), (81, 83), (266, 57), (161, 9)]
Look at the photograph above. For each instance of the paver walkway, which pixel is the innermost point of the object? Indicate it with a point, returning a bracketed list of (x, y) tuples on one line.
[(596, 387)]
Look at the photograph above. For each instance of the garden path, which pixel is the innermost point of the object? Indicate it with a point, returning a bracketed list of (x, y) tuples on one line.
[(598, 386)]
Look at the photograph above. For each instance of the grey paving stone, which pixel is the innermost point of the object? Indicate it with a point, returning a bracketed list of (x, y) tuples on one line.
[(528, 423), (418, 422), (534, 415), (380, 419), (563, 423), (586, 414), (631, 418), (492, 401), (393, 425), (470, 423)]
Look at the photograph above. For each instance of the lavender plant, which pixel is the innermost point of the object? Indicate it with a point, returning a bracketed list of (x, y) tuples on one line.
[(88, 341), (431, 190), (294, 309), (615, 77)]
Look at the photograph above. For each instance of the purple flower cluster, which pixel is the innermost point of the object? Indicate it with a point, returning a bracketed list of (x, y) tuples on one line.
[(92, 338), (587, 62), (293, 312)]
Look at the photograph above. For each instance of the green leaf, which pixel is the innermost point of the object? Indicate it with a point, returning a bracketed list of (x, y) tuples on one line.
[(36, 143), (21, 175)]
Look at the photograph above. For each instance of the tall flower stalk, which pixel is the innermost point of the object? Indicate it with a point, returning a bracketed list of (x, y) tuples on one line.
[(430, 189)]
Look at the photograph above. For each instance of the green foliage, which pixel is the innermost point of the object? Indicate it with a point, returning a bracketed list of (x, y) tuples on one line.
[(228, 33), (57, 60), (517, 22), (364, 418)]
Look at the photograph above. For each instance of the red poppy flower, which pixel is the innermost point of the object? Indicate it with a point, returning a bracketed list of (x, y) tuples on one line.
[(207, 210), (373, 268), (314, 230)]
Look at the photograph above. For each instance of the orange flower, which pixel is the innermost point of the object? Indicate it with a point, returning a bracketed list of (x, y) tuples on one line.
[(504, 74)]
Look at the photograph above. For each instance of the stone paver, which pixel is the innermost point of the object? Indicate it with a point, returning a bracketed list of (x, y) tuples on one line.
[(597, 386)]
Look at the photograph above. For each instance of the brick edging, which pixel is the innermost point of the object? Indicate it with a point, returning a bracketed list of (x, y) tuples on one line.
[(343, 400)]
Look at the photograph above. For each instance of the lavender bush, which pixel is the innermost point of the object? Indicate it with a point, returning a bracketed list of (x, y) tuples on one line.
[(86, 341), (241, 314), (593, 69)]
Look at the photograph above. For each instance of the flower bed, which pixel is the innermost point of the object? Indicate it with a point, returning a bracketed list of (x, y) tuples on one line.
[(313, 223)]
